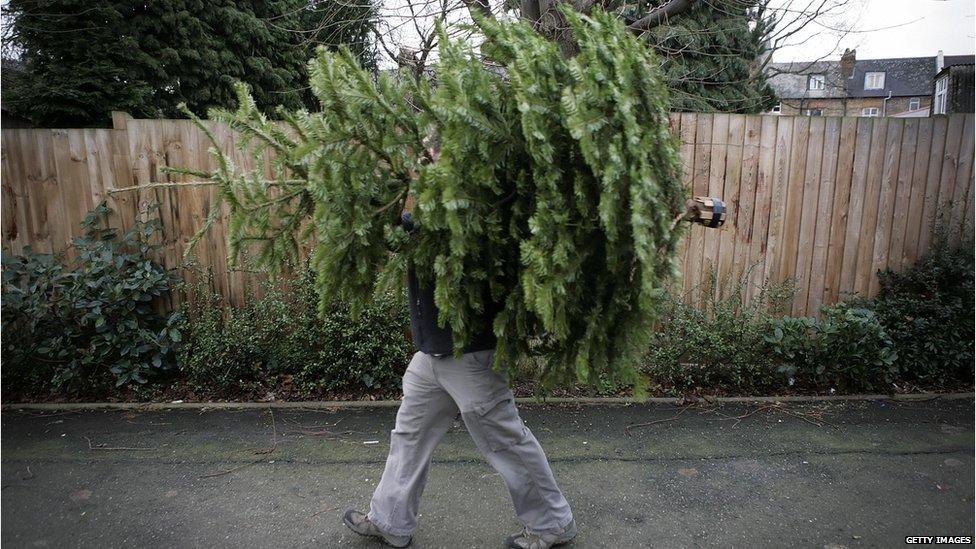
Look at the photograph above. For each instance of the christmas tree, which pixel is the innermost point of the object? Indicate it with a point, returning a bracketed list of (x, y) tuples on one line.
[(544, 185)]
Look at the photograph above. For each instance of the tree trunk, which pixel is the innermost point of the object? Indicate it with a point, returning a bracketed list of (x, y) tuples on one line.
[(546, 18)]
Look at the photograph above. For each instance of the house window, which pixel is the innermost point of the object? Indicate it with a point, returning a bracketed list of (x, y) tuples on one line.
[(874, 80), (914, 103), (941, 88), (814, 112), (777, 108), (869, 111), (816, 82)]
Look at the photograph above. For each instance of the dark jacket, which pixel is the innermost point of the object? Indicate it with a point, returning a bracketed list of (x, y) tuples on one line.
[(428, 336)]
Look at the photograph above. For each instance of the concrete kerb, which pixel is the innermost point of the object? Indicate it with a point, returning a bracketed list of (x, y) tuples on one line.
[(586, 401)]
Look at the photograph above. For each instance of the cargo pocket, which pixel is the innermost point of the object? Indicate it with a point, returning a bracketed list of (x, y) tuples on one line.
[(498, 421)]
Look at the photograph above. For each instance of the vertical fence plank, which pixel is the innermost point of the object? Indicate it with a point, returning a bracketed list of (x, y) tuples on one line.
[(886, 203), (903, 194), (716, 183), (840, 208), (17, 220), (234, 275), (807, 218), (967, 236), (101, 171), (745, 203), (964, 168), (866, 132), (675, 121), (70, 164), (730, 193), (44, 191), (916, 203), (794, 198), (125, 203), (696, 245), (63, 212), (947, 179), (194, 207), (869, 219), (824, 217), (689, 125), (759, 229), (933, 174), (779, 191)]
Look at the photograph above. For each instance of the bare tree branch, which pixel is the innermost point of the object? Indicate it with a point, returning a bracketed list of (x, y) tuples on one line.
[(661, 14)]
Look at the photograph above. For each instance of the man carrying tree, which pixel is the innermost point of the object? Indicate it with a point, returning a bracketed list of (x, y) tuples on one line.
[(547, 228), (436, 386)]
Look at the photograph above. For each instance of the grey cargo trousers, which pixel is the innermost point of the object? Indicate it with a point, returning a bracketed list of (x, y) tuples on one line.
[(434, 390)]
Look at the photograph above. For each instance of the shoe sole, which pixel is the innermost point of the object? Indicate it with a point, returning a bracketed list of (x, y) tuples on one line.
[(513, 545), (373, 536)]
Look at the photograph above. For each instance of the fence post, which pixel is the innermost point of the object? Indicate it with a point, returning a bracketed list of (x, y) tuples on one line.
[(120, 120)]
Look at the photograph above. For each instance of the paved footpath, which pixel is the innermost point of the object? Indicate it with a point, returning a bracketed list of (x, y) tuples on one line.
[(861, 474)]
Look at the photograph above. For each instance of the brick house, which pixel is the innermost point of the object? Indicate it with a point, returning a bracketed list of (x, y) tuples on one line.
[(900, 87), (954, 90)]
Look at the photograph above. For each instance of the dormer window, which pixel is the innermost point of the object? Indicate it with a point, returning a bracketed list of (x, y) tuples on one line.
[(816, 82), (874, 80)]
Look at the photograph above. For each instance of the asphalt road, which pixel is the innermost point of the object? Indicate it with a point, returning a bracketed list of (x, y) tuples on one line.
[(863, 474)]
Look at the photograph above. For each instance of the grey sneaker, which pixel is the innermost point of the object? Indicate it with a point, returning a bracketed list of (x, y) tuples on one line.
[(359, 523), (526, 540)]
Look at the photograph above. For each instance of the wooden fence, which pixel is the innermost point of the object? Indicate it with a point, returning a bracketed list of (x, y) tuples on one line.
[(826, 202)]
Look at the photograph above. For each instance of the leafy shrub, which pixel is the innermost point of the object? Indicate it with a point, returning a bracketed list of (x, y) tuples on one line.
[(847, 349), (928, 313), (717, 345), (281, 336), (82, 323), (370, 352)]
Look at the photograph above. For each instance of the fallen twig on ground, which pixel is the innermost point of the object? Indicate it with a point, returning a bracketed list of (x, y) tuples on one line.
[(121, 448), (234, 470), (318, 431), (655, 422), (738, 419), (265, 451), (814, 417), (322, 433)]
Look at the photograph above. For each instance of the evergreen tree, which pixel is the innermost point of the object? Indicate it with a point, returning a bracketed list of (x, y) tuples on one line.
[(553, 192), (82, 58), (712, 51), (711, 55)]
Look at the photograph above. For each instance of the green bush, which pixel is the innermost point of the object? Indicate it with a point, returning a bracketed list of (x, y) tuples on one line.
[(281, 336), (927, 311), (718, 345), (847, 349), (84, 323)]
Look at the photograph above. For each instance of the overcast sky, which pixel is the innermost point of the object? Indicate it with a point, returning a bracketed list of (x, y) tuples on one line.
[(882, 28), (893, 28)]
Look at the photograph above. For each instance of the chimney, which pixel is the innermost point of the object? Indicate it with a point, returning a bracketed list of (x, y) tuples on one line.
[(939, 62), (847, 63)]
